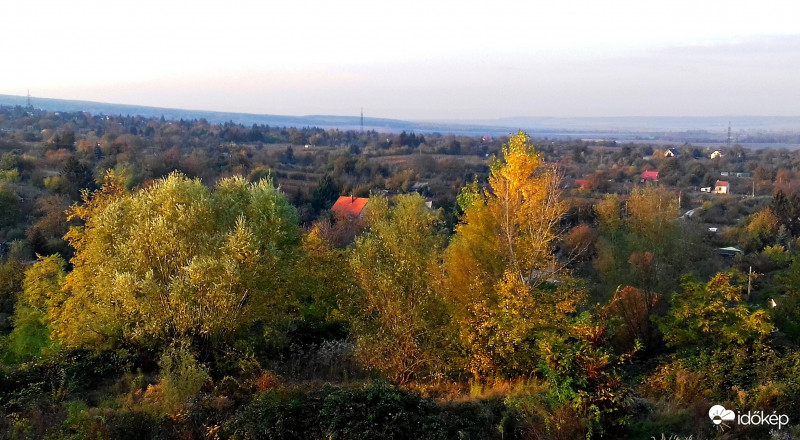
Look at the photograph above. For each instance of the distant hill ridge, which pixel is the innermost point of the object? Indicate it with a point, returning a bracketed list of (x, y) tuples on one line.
[(576, 127), (322, 121)]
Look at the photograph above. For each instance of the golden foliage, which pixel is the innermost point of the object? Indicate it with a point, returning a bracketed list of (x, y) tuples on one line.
[(500, 258), (173, 260)]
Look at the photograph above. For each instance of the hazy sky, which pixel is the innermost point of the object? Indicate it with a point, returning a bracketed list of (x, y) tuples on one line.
[(412, 59)]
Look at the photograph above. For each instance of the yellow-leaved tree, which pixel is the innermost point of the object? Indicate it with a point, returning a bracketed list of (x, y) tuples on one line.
[(174, 261), (508, 289)]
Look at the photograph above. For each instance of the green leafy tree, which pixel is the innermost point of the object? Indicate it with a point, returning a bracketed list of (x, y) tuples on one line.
[(584, 374), (323, 278), (42, 289), (400, 322), (787, 209), (9, 206), (720, 343), (12, 273), (786, 313), (324, 194), (76, 176), (644, 244), (714, 315)]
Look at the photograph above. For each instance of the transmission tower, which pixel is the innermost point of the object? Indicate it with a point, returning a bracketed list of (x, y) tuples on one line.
[(29, 99), (729, 134)]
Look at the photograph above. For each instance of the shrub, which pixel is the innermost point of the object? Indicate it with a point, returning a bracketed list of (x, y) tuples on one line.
[(375, 410), (181, 378)]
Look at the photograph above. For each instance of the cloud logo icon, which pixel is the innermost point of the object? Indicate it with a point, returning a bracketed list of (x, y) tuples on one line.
[(719, 414)]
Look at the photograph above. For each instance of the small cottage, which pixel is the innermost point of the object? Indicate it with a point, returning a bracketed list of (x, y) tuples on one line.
[(650, 175)]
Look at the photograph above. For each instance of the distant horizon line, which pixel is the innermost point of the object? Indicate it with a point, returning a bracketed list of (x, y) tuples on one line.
[(357, 115)]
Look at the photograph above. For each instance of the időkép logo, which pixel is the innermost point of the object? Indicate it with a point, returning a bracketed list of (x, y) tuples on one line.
[(719, 415)]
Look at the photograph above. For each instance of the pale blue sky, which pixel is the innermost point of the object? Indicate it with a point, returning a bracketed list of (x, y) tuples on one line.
[(412, 59)]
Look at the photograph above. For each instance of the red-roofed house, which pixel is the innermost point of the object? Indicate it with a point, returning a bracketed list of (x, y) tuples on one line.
[(583, 183), (650, 175), (721, 187), (349, 205)]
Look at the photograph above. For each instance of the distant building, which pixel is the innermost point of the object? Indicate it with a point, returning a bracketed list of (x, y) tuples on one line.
[(671, 153), (650, 175), (705, 189), (716, 154), (729, 251), (420, 187), (350, 206), (582, 183), (745, 175), (721, 187)]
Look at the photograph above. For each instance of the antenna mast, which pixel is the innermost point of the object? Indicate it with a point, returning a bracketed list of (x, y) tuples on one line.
[(362, 119), (29, 98)]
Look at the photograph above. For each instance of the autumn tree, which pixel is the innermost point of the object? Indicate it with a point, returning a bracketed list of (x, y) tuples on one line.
[(174, 261), (652, 216), (578, 243), (761, 230), (630, 311), (501, 274), (400, 322), (45, 235)]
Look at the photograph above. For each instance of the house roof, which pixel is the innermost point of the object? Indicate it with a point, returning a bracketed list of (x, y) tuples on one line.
[(729, 251), (583, 183), (349, 205), (650, 175), (721, 183)]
